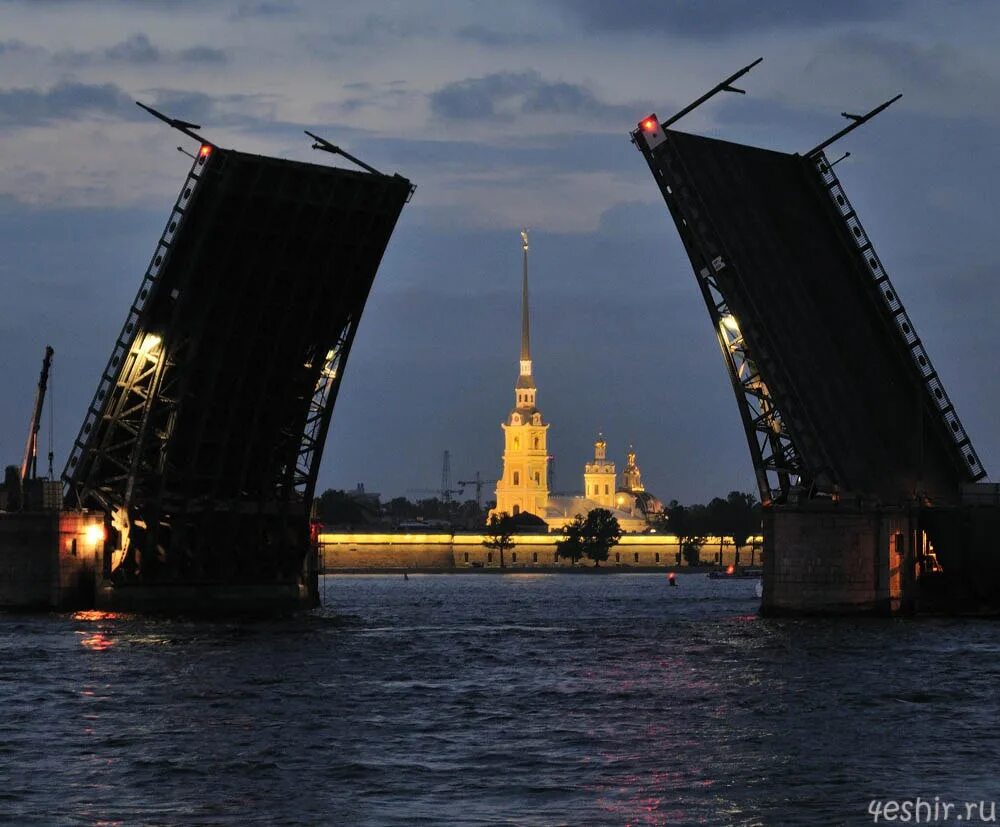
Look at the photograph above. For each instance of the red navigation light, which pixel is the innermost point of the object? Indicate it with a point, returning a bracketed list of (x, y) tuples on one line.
[(731, 570), (206, 150), (649, 125)]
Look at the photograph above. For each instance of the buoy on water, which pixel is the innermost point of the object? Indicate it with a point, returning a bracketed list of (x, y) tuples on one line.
[(672, 579)]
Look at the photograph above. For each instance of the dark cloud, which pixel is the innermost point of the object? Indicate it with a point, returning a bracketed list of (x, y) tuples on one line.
[(64, 101), (502, 95), (139, 50), (202, 54), (265, 9), (487, 36), (721, 17), (135, 49), (14, 47), (937, 77)]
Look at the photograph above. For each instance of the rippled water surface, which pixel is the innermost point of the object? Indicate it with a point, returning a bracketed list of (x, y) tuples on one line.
[(523, 699)]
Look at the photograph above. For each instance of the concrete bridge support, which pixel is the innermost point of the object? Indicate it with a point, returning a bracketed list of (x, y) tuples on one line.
[(826, 558)]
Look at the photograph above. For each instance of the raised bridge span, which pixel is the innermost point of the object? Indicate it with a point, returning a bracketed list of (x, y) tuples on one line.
[(865, 470), (203, 439)]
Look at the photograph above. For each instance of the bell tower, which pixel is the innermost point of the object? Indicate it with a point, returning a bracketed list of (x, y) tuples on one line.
[(599, 476), (524, 483), (632, 476)]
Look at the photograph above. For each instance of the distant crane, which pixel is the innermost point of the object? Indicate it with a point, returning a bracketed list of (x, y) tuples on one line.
[(479, 483), (29, 465), (445, 491)]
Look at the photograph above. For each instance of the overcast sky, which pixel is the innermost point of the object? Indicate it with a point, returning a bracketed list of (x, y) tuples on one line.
[(503, 114)]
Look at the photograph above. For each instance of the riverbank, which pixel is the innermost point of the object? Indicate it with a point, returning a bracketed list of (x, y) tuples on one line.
[(580, 569)]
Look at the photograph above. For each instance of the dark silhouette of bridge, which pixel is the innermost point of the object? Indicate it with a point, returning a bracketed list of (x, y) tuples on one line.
[(862, 462), (203, 439)]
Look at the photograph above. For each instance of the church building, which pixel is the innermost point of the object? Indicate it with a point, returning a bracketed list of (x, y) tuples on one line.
[(523, 486)]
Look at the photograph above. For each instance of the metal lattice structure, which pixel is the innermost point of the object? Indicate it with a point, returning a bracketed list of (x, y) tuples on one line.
[(836, 393), (204, 437)]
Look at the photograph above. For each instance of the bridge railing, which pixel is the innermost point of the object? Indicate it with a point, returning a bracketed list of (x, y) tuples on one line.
[(899, 316), (130, 329)]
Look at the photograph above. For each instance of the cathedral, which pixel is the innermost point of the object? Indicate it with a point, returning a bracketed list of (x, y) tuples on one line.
[(523, 486)]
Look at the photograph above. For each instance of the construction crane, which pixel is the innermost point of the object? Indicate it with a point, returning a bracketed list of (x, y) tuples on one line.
[(29, 465), (445, 491), (479, 483)]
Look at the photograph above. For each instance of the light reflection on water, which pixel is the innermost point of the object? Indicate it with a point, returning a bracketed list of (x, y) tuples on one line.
[(471, 700)]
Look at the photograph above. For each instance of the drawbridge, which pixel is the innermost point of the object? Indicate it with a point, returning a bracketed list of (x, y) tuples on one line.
[(837, 394), (204, 436)]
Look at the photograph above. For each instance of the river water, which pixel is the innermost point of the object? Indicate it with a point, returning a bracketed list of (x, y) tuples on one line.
[(487, 699)]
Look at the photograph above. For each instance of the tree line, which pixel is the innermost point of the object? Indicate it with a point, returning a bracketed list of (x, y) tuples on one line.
[(347, 509), (592, 536), (737, 516)]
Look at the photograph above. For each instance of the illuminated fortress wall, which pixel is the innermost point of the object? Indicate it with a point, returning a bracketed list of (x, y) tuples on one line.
[(466, 551)]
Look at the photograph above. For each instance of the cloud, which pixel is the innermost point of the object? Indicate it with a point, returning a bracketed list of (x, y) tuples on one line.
[(135, 49), (202, 54), (486, 36), (722, 17), (15, 47), (265, 9), (139, 50), (63, 101), (938, 78), (503, 95)]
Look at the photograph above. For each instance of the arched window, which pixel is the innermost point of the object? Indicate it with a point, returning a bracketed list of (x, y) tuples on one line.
[(515, 510), (538, 477), (517, 478), (489, 556), (605, 488), (536, 443), (517, 443), (513, 557)]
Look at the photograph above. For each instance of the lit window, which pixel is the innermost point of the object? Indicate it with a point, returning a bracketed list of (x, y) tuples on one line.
[(605, 488), (536, 443), (517, 478), (517, 443)]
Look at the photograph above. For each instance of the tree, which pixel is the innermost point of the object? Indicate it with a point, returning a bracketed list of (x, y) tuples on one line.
[(337, 508), (572, 546), (600, 532), (499, 534), (591, 536), (687, 525), (691, 550), (743, 518)]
